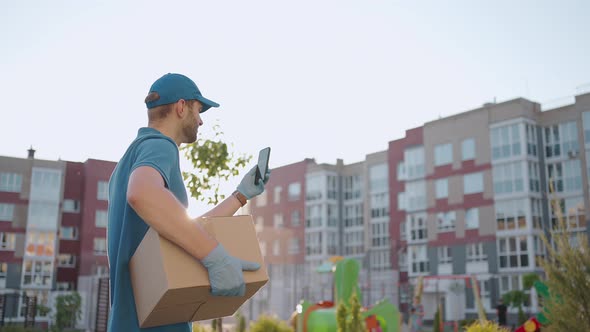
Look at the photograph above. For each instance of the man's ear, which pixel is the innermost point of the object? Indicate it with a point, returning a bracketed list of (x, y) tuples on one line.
[(179, 108)]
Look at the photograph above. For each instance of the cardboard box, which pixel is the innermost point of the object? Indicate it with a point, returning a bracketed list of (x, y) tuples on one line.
[(171, 286)]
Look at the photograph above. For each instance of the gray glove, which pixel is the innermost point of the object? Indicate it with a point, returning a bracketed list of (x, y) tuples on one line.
[(225, 272), (250, 189)]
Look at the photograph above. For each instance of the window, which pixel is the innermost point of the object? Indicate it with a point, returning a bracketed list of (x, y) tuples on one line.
[(416, 195), (293, 246), (534, 177), (102, 191), (506, 141), (37, 273), (380, 234), (531, 139), (43, 215), (332, 243), (573, 212), (295, 218), (402, 231), (401, 201), (468, 149), (277, 195), (536, 213), (508, 178), (263, 248), (314, 187), (11, 182), (278, 220), (473, 183), (419, 259), (259, 224), (68, 233), (378, 180), (444, 255), (3, 273), (446, 221), (66, 260), (352, 187), (353, 215), (414, 162), (294, 191), (353, 242), (569, 137), (379, 260), (565, 176), (6, 212), (403, 261), (64, 286), (313, 243), (401, 171), (40, 244), (333, 217), (475, 253), (513, 252), (100, 246), (7, 241), (332, 187), (472, 218), (443, 154), (417, 226), (276, 248), (101, 219), (510, 215), (380, 205), (71, 205), (586, 122), (313, 215), (261, 199), (442, 188)]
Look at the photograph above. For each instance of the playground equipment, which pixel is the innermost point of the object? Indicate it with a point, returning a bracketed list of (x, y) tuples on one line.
[(321, 316)]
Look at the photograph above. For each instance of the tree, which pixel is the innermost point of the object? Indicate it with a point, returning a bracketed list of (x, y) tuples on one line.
[(213, 163), (436, 324), (356, 323), (241, 322), (520, 298), (341, 317), (68, 309), (567, 267), (269, 324)]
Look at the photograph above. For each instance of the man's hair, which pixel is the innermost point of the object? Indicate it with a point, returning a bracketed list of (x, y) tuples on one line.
[(160, 112)]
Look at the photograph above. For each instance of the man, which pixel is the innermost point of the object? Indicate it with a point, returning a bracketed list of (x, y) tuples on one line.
[(146, 189), (501, 310)]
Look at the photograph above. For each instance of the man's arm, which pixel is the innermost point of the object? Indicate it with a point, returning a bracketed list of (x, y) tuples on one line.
[(157, 206), (227, 208)]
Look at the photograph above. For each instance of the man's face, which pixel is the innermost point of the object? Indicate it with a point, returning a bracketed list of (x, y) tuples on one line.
[(191, 122)]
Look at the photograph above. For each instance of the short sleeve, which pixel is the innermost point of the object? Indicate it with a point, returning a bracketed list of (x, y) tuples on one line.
[(158, 153)]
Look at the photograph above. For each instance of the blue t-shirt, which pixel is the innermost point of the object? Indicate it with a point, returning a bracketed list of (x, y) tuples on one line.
[(126, 229)]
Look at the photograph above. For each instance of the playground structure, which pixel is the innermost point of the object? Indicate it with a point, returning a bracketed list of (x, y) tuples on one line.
[(321, 316)]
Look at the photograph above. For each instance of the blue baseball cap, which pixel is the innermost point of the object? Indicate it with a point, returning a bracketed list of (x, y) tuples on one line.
[(173, 87)]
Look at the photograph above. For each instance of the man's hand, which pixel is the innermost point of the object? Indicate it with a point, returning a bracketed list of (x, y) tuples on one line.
[(225, 272), (250, 189)]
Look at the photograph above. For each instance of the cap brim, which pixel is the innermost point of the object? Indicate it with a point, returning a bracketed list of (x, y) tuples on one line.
[(207, 104)]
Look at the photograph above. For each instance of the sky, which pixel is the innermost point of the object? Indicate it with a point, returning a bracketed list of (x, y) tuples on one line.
[(311, 79)]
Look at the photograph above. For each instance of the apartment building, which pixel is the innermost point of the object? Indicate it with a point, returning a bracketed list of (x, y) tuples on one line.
[(471, 196), (53, 231)]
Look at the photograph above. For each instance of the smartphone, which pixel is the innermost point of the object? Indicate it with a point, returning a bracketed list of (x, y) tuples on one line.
[(263, 157)]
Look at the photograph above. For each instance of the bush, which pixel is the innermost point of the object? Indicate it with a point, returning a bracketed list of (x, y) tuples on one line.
[(18, 329), (269, 324), (199, 328), (436, 324), (486, 326)]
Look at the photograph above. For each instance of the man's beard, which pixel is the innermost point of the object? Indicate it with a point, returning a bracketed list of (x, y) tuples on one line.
[(190, 132)]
